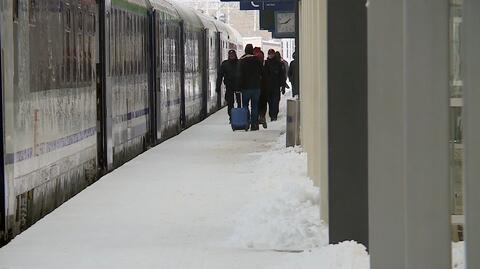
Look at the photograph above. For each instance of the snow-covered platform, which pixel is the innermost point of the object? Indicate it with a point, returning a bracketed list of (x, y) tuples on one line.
[(206, 199), (178, 206)]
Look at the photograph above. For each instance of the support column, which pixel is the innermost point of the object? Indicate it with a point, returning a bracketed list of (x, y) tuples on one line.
[(347, 121), (471, 114), (313, 88), (408, 134)]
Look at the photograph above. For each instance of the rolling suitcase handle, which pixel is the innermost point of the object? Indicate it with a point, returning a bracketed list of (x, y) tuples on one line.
[(239, 104)]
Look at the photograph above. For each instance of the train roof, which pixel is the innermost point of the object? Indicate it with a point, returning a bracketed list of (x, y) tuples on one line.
[(164, 6), (208, 22), (232, 34), (188, 15), (236, 34), (136, 6)]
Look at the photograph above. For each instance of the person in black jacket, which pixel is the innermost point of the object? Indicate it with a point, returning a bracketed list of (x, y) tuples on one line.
[(249, 81), (275, 77), (292, 75), (228, 74)]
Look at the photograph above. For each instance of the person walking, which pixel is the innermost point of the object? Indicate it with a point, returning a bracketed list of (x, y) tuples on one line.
[(275, 79), (264, 94), (228, 74), (249, 81), (292, 75), (285, 67)]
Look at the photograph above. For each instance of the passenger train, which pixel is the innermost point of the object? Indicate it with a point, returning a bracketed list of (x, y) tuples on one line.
[(86, 85)]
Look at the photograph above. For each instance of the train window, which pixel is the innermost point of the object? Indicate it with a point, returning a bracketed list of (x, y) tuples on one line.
[(15, 10), (132, 44), (138, 45), (67, 44), (114, 41), (32, 11), (123, 43), (135, 45), (68, 17), (119, 42), (142, 45), (94, 24), (128, 50), (80, 47), (80, 21), (85, 57)]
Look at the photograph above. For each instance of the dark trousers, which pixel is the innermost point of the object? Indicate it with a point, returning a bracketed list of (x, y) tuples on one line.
[(230, 98), (262, 106), (253, 96), (273, 104)]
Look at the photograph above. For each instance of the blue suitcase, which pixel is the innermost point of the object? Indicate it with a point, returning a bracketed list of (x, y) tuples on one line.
[(239, 120)]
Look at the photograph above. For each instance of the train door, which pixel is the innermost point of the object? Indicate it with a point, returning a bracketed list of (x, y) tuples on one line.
[(205, 72), (183, 121), (152, 73), (104, 101), (3, 196), (218, 49)]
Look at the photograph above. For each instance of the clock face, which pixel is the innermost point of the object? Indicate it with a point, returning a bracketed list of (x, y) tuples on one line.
[(285, 22)]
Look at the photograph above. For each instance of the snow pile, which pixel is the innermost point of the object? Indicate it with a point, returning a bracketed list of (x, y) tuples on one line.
[(458, 255), (285, 213)]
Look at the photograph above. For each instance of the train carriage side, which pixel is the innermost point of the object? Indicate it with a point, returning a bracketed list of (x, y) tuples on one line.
[(193, 54), (166, 37), (211, 64), (50, 105), (129, 109)]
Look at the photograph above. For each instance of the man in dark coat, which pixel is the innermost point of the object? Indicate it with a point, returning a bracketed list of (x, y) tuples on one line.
[(228, 74), (275, 77), (292, 75), (264, 95), (250, 76)]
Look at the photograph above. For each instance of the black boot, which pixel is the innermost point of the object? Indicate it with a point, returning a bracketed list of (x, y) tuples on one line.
[(254, 127)]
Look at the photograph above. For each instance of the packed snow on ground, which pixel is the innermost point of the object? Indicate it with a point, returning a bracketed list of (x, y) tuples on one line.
[(458, 255), (284, 215)]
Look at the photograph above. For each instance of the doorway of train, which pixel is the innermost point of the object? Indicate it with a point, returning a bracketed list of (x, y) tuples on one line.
[(2, 170), (218, 47), (104, 155), (3, 196)]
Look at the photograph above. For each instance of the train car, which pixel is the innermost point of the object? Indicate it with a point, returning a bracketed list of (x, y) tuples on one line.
[(193, 53), (211, 64), (87, 85), (49, 105), (166, 39), (128, 70)]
